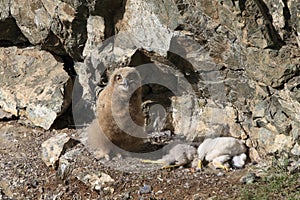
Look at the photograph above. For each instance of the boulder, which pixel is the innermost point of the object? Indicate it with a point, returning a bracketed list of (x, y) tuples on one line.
[(150, 24), (34, 85), (32, 18)]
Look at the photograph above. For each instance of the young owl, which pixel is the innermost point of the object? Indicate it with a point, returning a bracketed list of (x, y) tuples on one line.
[(119, 118), (220, 150)]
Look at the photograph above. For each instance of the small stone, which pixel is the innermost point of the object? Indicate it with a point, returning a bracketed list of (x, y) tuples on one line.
[(126, 196), (5, 115), (97, 187), (196, 197), (66, 162), (95, 180), (6, 188), (296, 149), (145, 189), (295, 167), (249, 178), (254, 156), (159, 192), (108, 190)]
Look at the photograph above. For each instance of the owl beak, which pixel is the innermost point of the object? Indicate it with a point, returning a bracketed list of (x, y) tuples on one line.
[(125, 83)]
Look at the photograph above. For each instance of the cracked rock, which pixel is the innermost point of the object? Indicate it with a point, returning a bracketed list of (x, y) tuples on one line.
[(53, 148)]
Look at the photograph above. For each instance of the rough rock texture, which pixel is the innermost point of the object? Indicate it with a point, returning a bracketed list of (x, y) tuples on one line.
[(34, 85), (233, 65), (55, 147), (149, 23)]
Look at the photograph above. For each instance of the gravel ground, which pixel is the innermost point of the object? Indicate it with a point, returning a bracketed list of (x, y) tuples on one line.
[(25, 176)]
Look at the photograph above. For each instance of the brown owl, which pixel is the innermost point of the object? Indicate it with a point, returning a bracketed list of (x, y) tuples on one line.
[(119, 115)]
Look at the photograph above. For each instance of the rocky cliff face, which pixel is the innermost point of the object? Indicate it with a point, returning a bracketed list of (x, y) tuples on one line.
[(216, 67)]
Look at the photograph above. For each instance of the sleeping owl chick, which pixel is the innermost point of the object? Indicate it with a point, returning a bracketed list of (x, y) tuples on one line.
[(220, 150), (119, 115), (178, 155)]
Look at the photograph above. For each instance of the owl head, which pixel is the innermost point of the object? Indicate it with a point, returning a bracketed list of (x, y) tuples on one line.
[(125, 81)]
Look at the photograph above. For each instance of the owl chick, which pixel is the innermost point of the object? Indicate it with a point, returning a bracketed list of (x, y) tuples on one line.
[(220, 150), (119, 118), (178, 155)]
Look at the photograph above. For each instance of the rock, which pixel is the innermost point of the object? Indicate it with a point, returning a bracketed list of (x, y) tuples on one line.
[(235, 65), (56, 25), (66, 163), (287, 68), (95, 34), (4, 8), (296, 150), (294, 12), (10, 33), (32, 18), (185, 115), (211, 121), (145, 189), (249, 178), (151, 29), (34, 85), (282, 143), (295, 167), (5, 115), (254, 155), (55, 147), (6, 189), (6, 136), (276, 9), (96, 180)]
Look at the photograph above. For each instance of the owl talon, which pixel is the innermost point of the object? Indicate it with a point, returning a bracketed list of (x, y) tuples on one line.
[(200, 165), (220, 165), (169, 167), (153, 161)]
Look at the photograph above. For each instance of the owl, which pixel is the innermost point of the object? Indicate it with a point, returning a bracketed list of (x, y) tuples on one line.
[(119, 119), (221, 150)]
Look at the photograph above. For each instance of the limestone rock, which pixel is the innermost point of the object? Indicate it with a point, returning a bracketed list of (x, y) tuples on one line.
[(194, 121), (4, 9), (95, 180), (296, 150), (69, 20), (5, 115), (6, 136), (276, 9), (285, 68), (66, 163), (149, 24), (95, 33), (185, 116), (254, 155), (282, 142), (33, 85), (293, 6), (32, 18), (57, 25), (54, 147), (249, 178)]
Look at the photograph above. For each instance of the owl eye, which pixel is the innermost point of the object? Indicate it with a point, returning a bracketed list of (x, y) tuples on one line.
[(118, 77)]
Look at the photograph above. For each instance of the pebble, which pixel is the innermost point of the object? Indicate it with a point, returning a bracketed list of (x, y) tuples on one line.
[(145, 189), (249, 178)]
